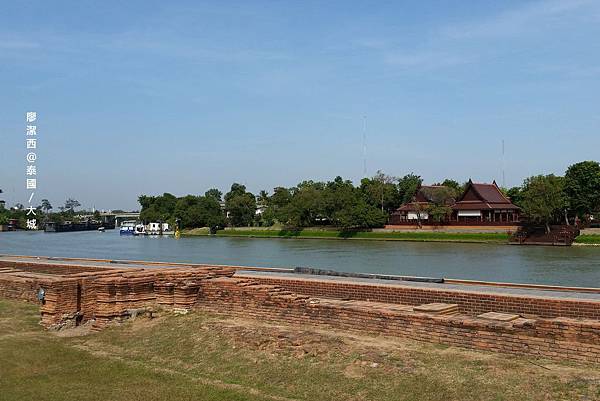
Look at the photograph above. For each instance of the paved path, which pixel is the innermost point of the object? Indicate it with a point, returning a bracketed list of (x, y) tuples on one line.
[(478, 288)]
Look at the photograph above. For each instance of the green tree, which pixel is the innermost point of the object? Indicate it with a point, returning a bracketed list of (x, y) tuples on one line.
[(359, 214), (408, 186), (277, 205), (543, 199), (455, 186), (306, 207), (381, 191), (46, 206), (214, 193), (199, 211), (240, 205), (157, 208), (515, 194), (441, 197), (582, 188)]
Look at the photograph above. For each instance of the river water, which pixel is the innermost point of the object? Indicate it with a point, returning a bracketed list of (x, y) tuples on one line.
[(576, 266)]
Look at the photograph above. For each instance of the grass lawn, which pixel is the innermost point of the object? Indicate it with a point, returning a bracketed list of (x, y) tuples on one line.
[(365, 235), (204, 357), (592, 239)]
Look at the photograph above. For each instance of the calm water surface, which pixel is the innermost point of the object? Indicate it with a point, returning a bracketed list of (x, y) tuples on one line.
[(577, 266)]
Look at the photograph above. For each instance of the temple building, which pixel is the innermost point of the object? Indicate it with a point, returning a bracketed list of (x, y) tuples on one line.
[(484, 203), (479, 204)]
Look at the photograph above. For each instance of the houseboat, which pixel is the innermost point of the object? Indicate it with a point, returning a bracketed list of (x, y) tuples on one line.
[(67, 226), (127, 228)]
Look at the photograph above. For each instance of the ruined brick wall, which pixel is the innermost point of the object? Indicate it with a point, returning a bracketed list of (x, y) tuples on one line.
[(469, 302), (551, 338), (62, 301), (24, 289), (50, 268), (102, 294)]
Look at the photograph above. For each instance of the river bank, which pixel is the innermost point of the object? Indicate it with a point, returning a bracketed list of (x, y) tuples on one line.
[(380, 235), (466, 236)]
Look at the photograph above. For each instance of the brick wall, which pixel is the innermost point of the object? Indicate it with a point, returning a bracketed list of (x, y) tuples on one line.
[(24, 289), (381, 309), (473, 303), (50, 268), (551, 338)]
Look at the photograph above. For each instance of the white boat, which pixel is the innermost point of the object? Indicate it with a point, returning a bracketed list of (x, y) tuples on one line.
[(158, 229), (140, 229), (127, 228)]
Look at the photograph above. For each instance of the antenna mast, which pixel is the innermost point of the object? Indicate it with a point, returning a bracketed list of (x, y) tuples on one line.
[(503, 174), (364, 146)]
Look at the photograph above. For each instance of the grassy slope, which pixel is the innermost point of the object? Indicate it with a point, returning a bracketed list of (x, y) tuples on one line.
[(201, 357), (390, 236), (593, 239)]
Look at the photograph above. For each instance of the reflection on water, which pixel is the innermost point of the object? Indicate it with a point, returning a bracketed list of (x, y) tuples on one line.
[(578, 266)]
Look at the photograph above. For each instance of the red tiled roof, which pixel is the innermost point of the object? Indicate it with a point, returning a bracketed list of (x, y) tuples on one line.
[(488, 196), (490, 193)]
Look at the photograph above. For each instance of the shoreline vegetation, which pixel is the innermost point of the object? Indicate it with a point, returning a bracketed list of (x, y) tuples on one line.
[(381, 235), (415, 236)]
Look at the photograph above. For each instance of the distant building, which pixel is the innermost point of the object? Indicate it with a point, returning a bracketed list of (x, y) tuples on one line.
[(479, 204), (485, 203), (417, 209)]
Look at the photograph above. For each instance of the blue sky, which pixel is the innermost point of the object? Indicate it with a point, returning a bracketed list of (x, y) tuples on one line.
[(146, 97)]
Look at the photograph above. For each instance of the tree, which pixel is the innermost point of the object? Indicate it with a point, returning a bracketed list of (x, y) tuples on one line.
[(157, 208), (242, 209), (306, 206), (71, 204), (381, 191), (408, 186), (543, 198), (236, 189), (199, 211), (359, 214), (515, 194), (582, 188), (46, 206), (240, 205), (455, 186), (263, 198), (214, 193), (440, 197), (277, 206)]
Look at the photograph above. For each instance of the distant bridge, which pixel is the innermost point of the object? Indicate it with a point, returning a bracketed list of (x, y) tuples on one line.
[(120, 217)]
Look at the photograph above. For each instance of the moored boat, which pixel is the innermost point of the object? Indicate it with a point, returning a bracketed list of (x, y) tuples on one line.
[(55, 227), (127, 228)]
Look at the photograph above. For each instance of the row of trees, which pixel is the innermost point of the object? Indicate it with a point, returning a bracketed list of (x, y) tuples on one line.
[(547, 199), (544, 199), (43, 211), (335, 203)]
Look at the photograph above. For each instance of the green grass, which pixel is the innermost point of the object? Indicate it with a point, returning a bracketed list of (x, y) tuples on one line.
[(203, 357), (366, 235), (590, 239)]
